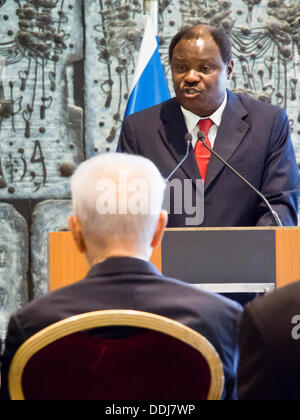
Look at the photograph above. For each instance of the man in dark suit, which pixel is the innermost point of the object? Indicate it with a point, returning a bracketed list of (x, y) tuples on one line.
[(252, 136), (117, 226), (269, 366)]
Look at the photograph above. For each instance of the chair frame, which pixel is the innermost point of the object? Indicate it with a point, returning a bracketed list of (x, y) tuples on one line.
[(126, 318)]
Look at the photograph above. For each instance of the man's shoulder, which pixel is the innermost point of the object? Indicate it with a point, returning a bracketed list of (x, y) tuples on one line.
[(45, 310), (279, 305), (155, 112), (257, 104), (31, 306)]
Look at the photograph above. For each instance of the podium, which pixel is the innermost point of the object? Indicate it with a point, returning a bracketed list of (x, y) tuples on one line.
[(220, 260)]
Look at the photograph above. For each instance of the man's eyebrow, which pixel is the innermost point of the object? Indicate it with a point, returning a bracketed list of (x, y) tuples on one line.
[(200, 60), (179, 57)]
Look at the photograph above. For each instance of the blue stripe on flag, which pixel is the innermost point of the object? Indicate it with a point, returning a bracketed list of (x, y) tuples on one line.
[(151, 88)]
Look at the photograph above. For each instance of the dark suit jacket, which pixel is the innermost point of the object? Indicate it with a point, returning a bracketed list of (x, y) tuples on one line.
[(128, 283), (253, 136), (269, 366)]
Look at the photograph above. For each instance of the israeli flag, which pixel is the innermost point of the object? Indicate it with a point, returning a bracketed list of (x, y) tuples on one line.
[(150, 86)]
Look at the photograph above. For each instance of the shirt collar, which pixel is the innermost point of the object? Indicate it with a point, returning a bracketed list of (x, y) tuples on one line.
[(192, 119), (123, 265)]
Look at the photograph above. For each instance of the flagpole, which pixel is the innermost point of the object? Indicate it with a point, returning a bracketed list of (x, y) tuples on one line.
[(151, 9)]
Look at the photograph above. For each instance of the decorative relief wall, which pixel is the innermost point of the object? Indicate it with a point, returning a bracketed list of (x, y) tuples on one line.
[(14, 254), (114, 34), (39, 41), (45, 131), (48, 216)]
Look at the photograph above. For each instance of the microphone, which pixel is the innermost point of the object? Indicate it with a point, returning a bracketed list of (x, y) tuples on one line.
[(202, 136), (188, 138)]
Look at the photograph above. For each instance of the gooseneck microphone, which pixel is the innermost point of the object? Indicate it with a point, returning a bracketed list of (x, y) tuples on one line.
[(188, 138), (277, 222)]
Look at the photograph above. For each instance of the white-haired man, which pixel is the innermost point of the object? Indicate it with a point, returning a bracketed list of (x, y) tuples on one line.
[(118, 220)]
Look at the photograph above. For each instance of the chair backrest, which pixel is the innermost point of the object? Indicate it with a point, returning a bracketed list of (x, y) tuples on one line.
[(162, 360)]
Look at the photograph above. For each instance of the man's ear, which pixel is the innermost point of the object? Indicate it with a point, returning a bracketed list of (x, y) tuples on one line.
[(230, 68), (160, 227), (76, 229)]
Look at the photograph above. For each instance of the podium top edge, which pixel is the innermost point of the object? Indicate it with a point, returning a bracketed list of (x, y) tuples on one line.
[(262, 228)]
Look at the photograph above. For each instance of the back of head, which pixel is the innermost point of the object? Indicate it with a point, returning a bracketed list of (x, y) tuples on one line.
[(118, 199)]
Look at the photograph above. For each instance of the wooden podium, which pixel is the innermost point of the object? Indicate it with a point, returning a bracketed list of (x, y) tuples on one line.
[(220, 260)]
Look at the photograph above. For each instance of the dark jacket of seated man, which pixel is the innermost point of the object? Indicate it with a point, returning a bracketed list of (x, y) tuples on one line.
[(134, 284), (269, 366)]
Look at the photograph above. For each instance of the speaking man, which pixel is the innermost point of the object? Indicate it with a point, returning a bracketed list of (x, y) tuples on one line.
[(252, 136), (118, 220)]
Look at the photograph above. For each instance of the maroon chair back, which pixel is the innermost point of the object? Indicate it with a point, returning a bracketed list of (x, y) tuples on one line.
[(148, 365)]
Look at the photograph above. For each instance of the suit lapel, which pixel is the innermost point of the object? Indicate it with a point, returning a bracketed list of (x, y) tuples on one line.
[(172, 133), (230, 135)]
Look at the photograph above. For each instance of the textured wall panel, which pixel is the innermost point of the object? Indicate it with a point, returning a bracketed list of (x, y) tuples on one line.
[(13, 263), (113, 38), (49, 216), (40, 41)]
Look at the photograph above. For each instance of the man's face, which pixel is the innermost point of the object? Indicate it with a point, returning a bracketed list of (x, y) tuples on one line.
[(199, 75)]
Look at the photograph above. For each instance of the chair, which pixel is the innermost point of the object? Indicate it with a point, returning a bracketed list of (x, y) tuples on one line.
[(160, 360)]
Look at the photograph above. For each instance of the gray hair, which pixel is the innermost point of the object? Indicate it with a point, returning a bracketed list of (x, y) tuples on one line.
[(118, 198)]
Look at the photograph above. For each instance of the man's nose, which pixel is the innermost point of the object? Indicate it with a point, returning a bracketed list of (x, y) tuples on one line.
[(192, 77)]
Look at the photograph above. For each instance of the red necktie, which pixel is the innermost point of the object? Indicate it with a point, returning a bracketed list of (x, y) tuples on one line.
[(202, 155)]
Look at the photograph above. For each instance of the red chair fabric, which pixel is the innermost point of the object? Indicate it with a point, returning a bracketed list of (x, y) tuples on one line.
[(145, 366)]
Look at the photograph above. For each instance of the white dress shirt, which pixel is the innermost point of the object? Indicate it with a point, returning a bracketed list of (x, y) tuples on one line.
[(192, 121)]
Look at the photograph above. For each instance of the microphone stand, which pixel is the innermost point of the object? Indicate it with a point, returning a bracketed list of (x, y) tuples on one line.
[(188, 138), (277, 221)]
